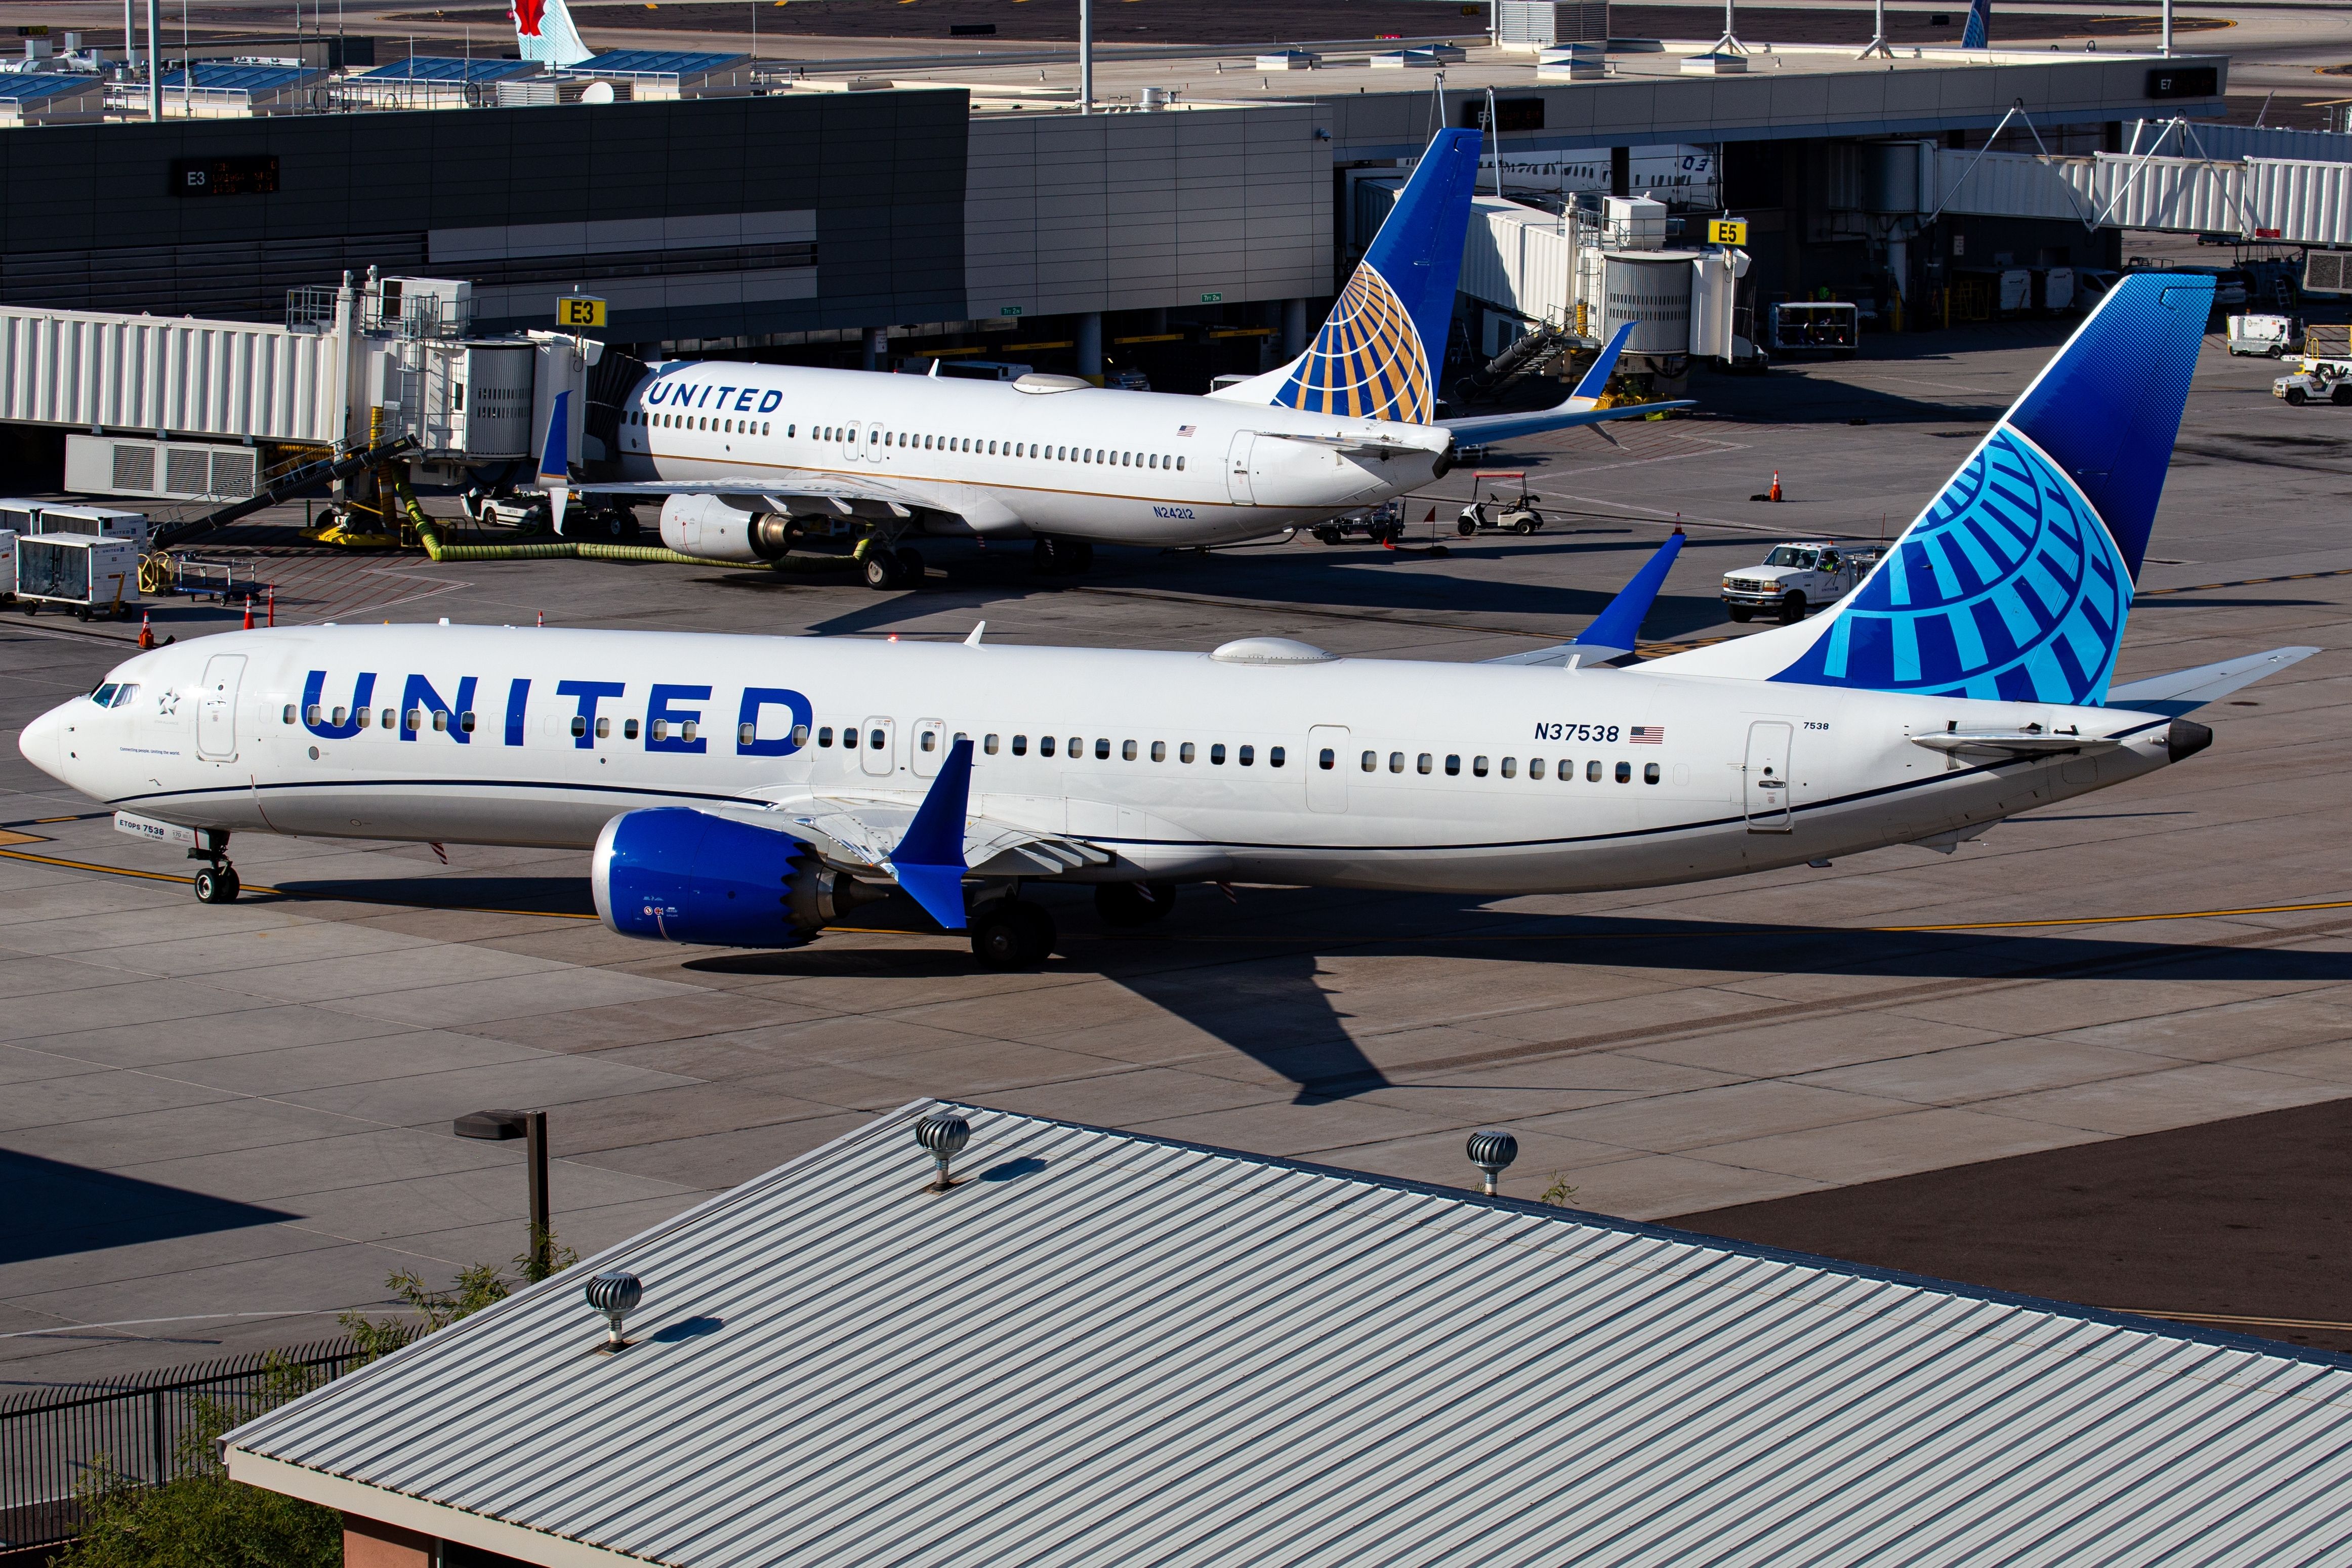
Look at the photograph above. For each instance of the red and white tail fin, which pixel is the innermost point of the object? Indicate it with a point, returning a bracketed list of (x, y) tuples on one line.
[(544, 29)]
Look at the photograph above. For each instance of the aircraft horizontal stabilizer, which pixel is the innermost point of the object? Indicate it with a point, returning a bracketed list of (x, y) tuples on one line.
[(2186, 691), (1616, 628)]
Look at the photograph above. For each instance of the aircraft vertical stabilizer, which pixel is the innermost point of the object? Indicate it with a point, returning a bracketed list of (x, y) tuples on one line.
[(543, 29), (1383, 347), (2014, 582), (1977, 34)]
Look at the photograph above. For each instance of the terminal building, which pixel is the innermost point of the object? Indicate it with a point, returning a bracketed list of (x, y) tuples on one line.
[(716, 204)]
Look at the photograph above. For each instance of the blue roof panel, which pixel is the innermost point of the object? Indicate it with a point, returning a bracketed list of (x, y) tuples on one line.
[(443, 68), (21, 87), (223, 76), (651, 62)]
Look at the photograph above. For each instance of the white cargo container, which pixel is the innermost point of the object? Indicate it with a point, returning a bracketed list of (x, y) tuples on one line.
[(94, 576), (46, 517)]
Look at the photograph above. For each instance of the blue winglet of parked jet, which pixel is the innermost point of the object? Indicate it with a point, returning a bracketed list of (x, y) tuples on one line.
[(929, 862), (1615, 629), (1604, 365), (1577, 408)]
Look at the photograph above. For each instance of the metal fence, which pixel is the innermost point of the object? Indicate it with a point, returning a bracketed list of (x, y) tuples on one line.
[(55, 1440)]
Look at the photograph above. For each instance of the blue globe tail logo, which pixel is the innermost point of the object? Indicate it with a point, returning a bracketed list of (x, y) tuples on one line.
[(1367, 362)]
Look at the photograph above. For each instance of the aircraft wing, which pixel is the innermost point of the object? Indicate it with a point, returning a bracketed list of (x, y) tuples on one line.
[(1616, 628), (1579, 407), (1354, 445), (863, 834), (2186, 691)]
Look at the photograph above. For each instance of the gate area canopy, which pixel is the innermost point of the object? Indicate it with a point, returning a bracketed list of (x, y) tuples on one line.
[(1098, 1347)]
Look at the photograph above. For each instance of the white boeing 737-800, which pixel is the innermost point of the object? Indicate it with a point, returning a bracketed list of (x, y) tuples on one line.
[(748, 791), (737, 452)]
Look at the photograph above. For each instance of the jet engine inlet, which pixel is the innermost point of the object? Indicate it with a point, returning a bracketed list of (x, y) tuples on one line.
[(675, 874)]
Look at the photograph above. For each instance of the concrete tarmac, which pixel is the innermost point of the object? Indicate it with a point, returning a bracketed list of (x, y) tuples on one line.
[(234, 1123)]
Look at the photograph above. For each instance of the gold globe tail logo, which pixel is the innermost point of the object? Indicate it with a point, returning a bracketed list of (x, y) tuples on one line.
[(1367, 362)]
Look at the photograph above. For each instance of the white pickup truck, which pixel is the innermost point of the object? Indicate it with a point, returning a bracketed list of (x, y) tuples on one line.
[(1796, 577)]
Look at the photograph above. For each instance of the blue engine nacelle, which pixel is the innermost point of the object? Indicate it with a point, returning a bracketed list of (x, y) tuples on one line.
[(675, 874)]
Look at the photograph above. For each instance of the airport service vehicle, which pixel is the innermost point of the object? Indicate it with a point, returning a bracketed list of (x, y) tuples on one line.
[(750, 791), (1492, 510), (738, 453), (2270, 336), (1381, 525), (2320, 380), (1795, 578)]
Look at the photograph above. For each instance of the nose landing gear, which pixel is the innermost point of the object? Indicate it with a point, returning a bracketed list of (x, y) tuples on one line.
[(217, 882)]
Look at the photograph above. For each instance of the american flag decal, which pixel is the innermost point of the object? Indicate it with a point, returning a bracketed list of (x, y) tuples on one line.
[(1183, 429), (1647, 734)]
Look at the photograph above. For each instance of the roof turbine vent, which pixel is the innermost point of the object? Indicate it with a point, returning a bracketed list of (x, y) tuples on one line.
[(616, 1293), (944, 1133), (1493, 1152)]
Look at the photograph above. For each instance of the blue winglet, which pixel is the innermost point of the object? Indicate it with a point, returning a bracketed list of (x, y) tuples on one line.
[(929, 862), (555, 456), (1596, 380), (1618, 627), (1977, 34)]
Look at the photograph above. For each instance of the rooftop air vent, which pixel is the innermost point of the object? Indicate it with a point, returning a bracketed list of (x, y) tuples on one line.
[(616, 1293), (1272, 650), (944, 1134), (1493, 1152)]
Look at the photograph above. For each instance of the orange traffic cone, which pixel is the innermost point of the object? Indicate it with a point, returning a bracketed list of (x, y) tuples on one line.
[(1776, 484), (248, 612), (542, 618), (146, 632), (273, 604)]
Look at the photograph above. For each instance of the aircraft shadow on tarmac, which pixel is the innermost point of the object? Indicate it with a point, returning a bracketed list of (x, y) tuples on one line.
[(1262, 990), (1242, 975), (54, 1209)]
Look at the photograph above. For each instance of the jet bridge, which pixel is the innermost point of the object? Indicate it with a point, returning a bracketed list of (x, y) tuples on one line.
[(174, 407)]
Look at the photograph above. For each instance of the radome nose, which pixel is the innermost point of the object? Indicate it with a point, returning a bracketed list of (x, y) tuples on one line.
[(43, 742)]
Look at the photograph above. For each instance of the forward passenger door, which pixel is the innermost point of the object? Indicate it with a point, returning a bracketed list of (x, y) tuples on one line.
[(216, 707)]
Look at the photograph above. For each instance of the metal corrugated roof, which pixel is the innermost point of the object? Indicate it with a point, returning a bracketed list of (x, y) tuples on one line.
[(1104, 1348), (650, 62), (443, 68), (23, 87)]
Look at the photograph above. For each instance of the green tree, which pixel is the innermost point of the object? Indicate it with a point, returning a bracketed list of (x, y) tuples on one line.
[(201, 1519)]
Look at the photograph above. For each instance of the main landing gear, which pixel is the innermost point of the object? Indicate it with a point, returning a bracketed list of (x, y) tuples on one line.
[(1055, 557), (1012, 933), (216, 883), (1131, 904)]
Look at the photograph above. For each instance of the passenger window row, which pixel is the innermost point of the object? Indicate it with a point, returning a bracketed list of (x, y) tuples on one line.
[(1075, 748), (417, 718), (977, 446), (705, 422), (1424, 762)]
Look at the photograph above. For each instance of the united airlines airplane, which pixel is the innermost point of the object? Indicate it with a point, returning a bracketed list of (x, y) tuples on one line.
[(738, 452), (748, 792)]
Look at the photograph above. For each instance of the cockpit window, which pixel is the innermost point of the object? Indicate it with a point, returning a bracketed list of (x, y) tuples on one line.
[(104, 695), (122, 695)]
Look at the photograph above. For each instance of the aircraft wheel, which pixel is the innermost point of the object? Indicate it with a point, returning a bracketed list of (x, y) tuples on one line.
[(1793, 609), (881, 571), (1741, 613), (1130, 904), (1012, 933), (218, 885), (910, 565)]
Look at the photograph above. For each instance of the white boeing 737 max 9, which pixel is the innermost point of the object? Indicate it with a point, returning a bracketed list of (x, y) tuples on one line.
[(738, 452), (747, 791)]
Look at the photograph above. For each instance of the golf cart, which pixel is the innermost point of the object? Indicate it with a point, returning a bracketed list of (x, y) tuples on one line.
[(1492, 511)]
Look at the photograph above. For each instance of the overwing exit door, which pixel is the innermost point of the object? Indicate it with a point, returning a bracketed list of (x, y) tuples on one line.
[(1327, 768), (1765, 785), (216, 707)]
